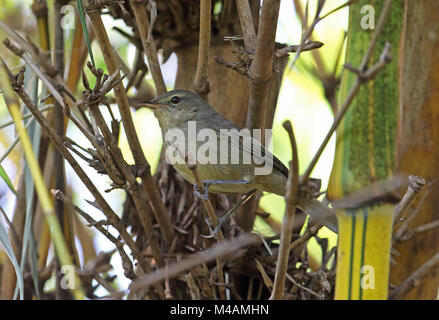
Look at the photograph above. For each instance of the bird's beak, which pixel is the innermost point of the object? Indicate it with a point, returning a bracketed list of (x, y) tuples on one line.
[(150, 105)]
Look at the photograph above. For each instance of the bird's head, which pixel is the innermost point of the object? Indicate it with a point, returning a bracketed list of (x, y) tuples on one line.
[(175, 107)]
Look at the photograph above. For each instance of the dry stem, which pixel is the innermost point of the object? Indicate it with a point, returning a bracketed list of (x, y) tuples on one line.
[(201, 81), (148, 43), (288, 222), (248, 29), (214, 222), (156, 203)]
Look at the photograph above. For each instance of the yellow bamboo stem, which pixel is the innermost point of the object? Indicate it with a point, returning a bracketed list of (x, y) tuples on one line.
[(44, 198)]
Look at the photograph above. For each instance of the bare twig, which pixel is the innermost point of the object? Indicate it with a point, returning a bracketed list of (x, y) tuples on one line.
[(408, 234), (319, 296), (247, 26), (219, 250), (155, 201), (328, 78), (406, 222), (103, 205), (213, 220), (13, 230), (415, 279), (144, 27), (261, 68), (309, 30), (201, 81), (288, 222), (126, 261), (267, 280), (383, 17), (415, 185), (362, 77), (310, 232), (311, 45), (138, 194)]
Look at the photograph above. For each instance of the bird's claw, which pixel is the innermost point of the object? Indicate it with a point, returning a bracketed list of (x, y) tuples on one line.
[(203, 196), (214, 232), (221, 220)]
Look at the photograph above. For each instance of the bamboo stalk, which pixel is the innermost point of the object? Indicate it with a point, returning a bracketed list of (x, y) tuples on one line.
[(45, 201)]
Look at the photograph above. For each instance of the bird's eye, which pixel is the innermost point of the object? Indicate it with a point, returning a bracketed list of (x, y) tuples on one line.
[(175, 100)]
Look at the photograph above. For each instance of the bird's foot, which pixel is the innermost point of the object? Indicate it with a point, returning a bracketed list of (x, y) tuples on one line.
[(207, 183), (205, 194), (214, 231)]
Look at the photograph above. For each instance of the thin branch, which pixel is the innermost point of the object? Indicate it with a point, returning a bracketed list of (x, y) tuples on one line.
[(26, 116), (137, 192), (308, 31), (267, 280), (14, 143), (247, 26), (415, 279), (201, 81), (383, 17), (262, 65), (311, 45), (415, 186), (219, 250), (13, 230), (154, 198), (213, 221), (288, 222), (328, 79), (362, 77), (319, 296), (311, 231), (406, 222), (144, 27), (36, 56), (408, 234), (126, 261), (103, 205)]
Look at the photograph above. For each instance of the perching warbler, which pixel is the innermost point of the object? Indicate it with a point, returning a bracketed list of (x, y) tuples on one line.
[(228, 159)]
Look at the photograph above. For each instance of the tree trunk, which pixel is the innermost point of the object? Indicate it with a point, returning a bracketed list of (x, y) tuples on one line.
[(418, 141)]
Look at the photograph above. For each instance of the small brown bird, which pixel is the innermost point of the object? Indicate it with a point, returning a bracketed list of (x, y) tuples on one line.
[(184, 117)]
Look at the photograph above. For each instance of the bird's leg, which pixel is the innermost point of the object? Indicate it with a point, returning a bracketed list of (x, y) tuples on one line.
[(221, 220), (207, 183)]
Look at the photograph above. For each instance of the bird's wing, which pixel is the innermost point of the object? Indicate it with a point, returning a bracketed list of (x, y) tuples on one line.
[(250, 147)]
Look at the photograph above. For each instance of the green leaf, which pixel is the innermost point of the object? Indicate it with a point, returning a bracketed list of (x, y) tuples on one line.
[(34, 131), (6, 244), (84, 29), (6, 179)]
